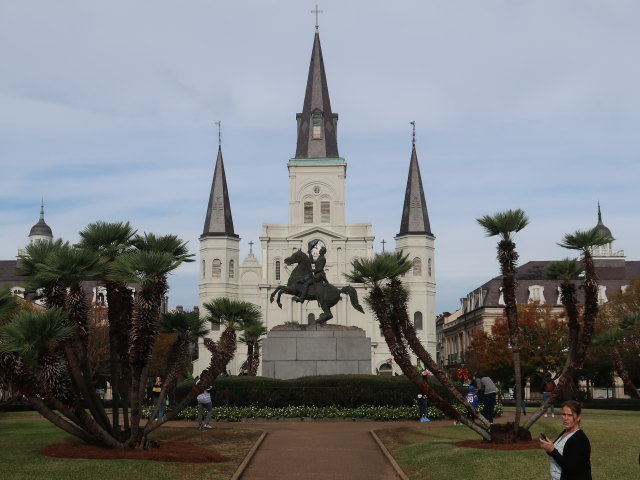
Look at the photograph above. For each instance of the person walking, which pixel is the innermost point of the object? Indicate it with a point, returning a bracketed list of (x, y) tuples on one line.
[(570, 453), (204, 402), (489, 394), (548, 386)]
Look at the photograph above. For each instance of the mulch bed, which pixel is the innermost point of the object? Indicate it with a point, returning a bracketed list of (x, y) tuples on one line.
[(522, 445), (167, 452)]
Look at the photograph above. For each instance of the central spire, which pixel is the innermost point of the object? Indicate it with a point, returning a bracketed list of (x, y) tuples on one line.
[(317, 124)]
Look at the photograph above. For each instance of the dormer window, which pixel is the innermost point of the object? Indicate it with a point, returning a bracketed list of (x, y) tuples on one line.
[(316, 126)]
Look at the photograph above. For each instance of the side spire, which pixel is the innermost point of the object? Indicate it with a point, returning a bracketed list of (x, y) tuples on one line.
[(317, 124), (219, 220), (415, 218)]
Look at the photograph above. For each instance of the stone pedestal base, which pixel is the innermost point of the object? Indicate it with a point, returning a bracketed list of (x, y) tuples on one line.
[(292, 351)]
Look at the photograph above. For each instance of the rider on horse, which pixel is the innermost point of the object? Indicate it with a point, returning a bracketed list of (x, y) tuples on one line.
[(318, 276)]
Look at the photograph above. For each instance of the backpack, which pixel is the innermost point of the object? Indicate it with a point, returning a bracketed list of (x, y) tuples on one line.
[(549, 386)]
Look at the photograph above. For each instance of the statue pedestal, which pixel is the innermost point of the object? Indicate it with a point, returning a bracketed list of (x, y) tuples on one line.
[(292, 351)]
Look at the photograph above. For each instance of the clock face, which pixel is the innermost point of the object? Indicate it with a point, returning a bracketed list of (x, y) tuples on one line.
[(315, 251)]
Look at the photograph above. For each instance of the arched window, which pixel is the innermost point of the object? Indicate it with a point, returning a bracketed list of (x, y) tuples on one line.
[(232, 269), (203, 269), (216, 268), (417, 266), (308, 212), (316, 128), (385, 370), (325, 211), (429, 267), (311, 319), (277, 269), (417, 320)]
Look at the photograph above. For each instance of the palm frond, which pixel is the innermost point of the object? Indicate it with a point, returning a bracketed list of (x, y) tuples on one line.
[(566, 270), (583, 240), (609, 337), (383, 266), (187, 325), (7, 304), (31, 334), (232, 313), (504, 223), (630, 321), (109, 239), (164, 243), (143, 267)]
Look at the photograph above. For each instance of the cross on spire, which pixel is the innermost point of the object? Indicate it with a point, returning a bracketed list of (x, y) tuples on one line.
[(316, 11), (413, 137), (251, 247), (383, 242), (219, 124)]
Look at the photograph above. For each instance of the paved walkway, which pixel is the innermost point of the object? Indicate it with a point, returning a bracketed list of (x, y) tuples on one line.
[(320, 450)]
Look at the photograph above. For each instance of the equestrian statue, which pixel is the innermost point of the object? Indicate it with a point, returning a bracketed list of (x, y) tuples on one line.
[(309, 282)]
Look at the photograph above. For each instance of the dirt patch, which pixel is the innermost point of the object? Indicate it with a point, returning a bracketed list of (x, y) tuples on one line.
[(166, 452), (522, 445)]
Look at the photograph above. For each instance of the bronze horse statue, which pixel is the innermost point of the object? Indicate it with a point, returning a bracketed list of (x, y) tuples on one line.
[(326, 294)]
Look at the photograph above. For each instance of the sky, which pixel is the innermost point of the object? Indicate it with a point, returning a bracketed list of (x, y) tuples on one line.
[(108, 111)]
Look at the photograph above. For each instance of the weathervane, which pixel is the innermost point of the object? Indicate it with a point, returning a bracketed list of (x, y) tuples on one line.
[(413, 141), (219, 124), (316, 11)]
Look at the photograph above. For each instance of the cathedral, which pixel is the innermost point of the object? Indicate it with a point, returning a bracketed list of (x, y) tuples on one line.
[(317, 175)]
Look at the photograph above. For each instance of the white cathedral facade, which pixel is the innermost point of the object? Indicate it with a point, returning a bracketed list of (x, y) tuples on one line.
[(317, 176)]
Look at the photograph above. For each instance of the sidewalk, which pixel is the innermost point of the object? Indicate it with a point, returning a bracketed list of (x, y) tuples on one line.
[(320, 450)]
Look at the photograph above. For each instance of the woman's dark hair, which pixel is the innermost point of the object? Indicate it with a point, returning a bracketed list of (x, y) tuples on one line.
[(576, 407)]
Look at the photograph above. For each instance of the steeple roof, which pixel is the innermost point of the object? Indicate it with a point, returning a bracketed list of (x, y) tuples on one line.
[(41, 228), (600, 227), (320, 142), (218, 220), (415, 219)]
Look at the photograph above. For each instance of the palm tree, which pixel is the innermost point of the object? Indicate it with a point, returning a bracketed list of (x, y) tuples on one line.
[(505, 224), (34, 338), (612, 338), (57, 269), (111, 240), (149, 269), (584, 241), (579, 336), (251, 338), (387, 298), (188, 328), (233, 315)]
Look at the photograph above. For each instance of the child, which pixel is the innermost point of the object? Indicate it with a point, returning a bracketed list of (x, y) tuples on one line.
[(472, 399)]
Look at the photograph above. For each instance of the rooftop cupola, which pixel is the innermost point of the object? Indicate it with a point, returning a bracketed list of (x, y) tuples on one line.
[(40, 232)]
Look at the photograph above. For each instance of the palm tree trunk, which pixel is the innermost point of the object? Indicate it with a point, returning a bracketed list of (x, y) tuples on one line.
[(255, 357), (622, 371), (399, 298), (58, 421), (402, 358)]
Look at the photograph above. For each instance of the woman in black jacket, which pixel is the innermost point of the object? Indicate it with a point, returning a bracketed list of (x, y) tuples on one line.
[(571, 452)]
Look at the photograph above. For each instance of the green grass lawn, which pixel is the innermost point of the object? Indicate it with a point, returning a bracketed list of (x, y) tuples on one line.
[(430, 454), (22, 435)]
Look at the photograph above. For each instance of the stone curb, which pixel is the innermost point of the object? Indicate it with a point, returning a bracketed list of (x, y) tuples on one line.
[(390, 459), (245, 463)]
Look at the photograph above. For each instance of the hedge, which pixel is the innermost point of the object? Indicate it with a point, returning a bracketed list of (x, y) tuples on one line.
[(368, 412), (348, 391)]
